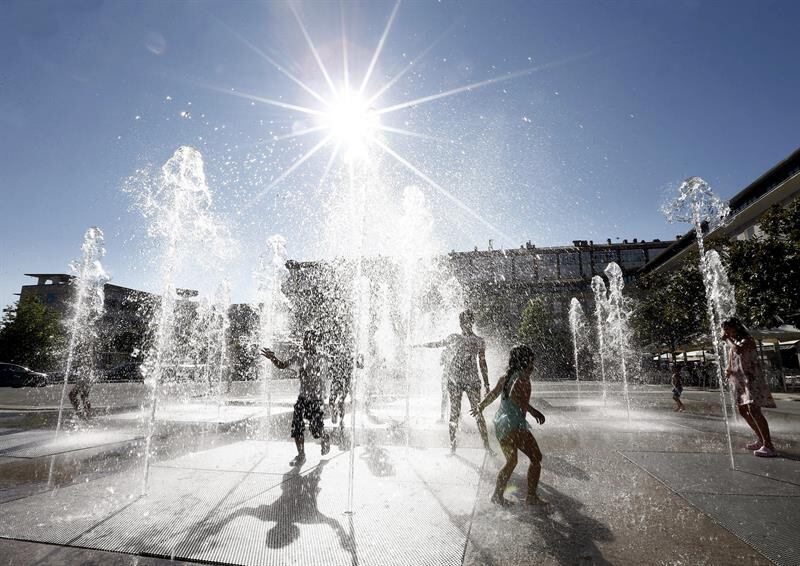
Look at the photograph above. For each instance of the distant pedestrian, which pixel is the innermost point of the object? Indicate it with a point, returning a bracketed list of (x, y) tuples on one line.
[(83, 371), (511, 427), (750, 389), (677, 388), (309, 406)]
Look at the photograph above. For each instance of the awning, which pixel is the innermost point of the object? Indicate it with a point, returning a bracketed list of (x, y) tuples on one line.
[(782, 333)]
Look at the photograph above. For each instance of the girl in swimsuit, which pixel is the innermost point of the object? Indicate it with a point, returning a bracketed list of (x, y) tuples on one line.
[(511, 428)]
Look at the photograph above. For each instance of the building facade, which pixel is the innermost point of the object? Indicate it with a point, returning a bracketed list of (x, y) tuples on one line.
[(777, 187)]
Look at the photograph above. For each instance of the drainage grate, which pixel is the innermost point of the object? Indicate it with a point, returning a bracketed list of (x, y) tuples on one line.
[(408, 509)]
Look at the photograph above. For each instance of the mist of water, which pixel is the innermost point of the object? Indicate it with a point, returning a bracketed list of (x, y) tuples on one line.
[(696, 203), (86, 308), (578, 327), (618, 326), (218, 362), (177, 204), (270, 307), (601, 315)]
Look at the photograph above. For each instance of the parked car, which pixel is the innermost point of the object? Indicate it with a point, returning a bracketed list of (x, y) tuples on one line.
[(12, 375), (128, 371)]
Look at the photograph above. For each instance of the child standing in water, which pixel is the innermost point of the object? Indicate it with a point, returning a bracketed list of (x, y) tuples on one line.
[(467, 356), (308, 365), (511, 428), (748, 385), (677, 388)]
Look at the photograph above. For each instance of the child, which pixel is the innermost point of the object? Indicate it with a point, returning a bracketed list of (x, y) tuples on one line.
[(308, 365), (467, 356), (677, 388), (748, 385), (511, 428)]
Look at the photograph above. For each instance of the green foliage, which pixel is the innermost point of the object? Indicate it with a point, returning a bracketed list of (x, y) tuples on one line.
[(31, 335), (551, 342), (671, 310), (132, 333), (766, 270), (534, 328), (493, 314)]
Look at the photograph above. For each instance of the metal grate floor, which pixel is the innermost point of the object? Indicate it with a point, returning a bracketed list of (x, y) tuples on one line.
[(242, 504)]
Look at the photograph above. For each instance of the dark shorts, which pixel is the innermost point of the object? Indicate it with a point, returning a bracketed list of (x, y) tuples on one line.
[(676, 391), (82, 387), (339, 389), (307, 409)]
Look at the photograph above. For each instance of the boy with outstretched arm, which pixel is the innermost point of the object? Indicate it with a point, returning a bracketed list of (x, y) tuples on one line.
[(309, 406)]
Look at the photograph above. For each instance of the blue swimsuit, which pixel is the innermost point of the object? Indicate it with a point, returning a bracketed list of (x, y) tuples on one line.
[(509, 416)]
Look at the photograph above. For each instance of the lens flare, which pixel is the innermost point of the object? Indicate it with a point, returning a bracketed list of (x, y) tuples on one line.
[(351, 121)]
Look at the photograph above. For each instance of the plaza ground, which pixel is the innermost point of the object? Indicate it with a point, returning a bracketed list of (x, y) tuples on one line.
[(655, 488)]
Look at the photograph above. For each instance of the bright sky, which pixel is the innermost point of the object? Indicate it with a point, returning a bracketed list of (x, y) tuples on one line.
[(621, 102)]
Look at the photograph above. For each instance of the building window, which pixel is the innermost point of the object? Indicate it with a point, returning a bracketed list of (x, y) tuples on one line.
[(570, 265), (548, 266), (525, 267), (632, 259), (601, 259)]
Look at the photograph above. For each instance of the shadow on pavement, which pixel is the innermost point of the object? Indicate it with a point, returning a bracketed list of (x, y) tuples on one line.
[(569, 535), (296, 505), (562, 467)]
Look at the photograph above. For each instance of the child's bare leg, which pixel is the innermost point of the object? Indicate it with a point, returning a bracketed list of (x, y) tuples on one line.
[(744, 410), (762, 427), (527, 443), (510, 452), (455, 415), (474, 397), (73, 398), (444, 399)]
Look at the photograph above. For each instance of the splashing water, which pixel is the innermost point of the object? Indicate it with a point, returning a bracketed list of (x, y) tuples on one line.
[(577, 324), (601, 314), (416, 225), (218, 358), (87, 309), (178, 205), (696, 203), (722, 290), (619, 328), (270, 303), (724, 299)]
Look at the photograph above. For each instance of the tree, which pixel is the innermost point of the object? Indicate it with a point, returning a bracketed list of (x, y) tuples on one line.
[(671, 309), (766, 270), (31, 334), (550, 342), (493, 312)]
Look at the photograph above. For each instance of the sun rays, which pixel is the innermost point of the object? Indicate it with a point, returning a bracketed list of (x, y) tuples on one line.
[(348, 119)]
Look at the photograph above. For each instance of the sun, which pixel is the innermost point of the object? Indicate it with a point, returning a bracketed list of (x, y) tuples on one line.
[(351, 121)]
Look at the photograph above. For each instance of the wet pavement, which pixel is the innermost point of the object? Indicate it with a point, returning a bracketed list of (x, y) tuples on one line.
[(652, 488)]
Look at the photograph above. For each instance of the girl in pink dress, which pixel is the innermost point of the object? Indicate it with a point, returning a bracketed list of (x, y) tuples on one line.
[(750, 389)]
